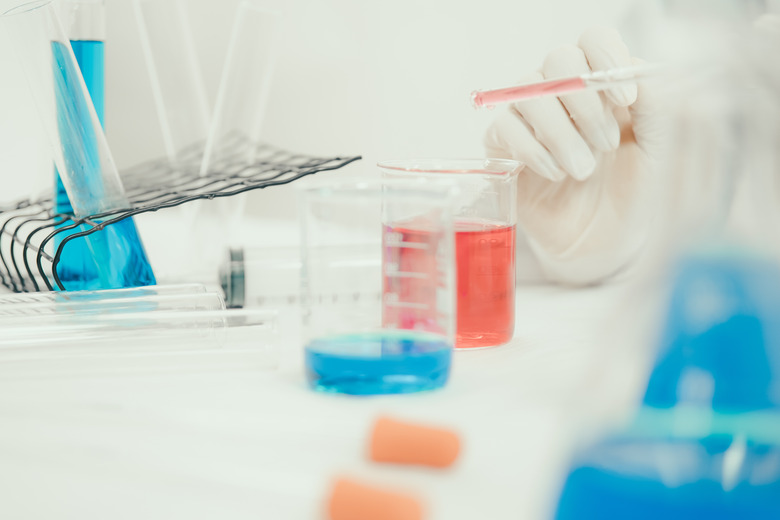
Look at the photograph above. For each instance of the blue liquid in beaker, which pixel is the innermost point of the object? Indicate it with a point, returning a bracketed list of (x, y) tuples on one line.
[(113, 257), (378, 363)]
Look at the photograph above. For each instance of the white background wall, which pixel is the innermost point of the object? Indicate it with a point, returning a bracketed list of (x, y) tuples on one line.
[(377, 78)]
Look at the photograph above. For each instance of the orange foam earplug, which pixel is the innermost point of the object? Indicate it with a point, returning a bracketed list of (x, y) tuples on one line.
[(405, 443), (350, 500)]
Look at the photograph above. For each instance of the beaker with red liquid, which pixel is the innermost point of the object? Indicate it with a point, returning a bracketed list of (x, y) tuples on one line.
[(485, 214)]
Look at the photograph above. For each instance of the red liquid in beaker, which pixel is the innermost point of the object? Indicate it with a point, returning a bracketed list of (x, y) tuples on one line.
[(485, 258)]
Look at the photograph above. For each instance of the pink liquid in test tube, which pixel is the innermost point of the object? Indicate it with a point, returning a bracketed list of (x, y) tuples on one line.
[(489, 98)]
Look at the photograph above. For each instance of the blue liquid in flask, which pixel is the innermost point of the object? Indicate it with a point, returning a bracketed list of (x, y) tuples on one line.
[(113, 257), (378, 363), (673, 480)]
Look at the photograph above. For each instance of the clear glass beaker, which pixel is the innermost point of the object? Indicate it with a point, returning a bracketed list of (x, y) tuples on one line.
[(378, 303), (485, 215)]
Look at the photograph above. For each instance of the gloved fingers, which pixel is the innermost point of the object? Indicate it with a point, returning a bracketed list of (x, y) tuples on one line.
[(554, 129), (769, 23), (768, 37), (510, 137), (604, 50), (590, 113), (648, 122)]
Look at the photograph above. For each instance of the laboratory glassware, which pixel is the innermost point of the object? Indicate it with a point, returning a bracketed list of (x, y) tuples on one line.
[(85, 27), (645, 475), (246, 80), (53, 297), (378, 304), (43, 312), (706, 441), (180, 97), (257, 277), (262, 276), (596, 80), (147, 333), (485, 218), (233, 143), (81, 154), (721, 344)]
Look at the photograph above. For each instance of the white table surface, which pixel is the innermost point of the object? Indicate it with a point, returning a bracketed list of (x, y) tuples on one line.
[(222, 438)]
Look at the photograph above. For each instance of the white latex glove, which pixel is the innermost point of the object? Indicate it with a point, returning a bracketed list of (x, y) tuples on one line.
[(768, 33), (757, 212), (583, 191)]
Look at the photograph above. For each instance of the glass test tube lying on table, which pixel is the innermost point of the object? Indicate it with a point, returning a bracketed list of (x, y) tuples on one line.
[(155, 333), (108, 294), (45, 312)]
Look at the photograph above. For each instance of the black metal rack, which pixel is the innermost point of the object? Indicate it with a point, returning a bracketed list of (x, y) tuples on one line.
[(28, 259)]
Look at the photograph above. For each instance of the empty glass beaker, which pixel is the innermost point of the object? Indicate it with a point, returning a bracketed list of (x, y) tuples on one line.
[(378, 302), (485, 216)]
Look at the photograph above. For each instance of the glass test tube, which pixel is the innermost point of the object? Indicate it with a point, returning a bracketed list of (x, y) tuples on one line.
[(45, 312), (175, 74), (71, 122), (233, 140), (79, 146), (147, 333), (84, 22), (108, 294), (244, 86)]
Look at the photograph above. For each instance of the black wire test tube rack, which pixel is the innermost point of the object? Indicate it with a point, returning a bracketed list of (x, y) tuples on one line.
[(28, 259)]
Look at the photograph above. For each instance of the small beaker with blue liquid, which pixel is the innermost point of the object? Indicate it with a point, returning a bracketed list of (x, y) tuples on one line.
[(378, 308)]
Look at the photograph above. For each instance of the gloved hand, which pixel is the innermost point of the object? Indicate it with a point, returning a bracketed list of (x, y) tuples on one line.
[(583, 192), (757, 211)]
